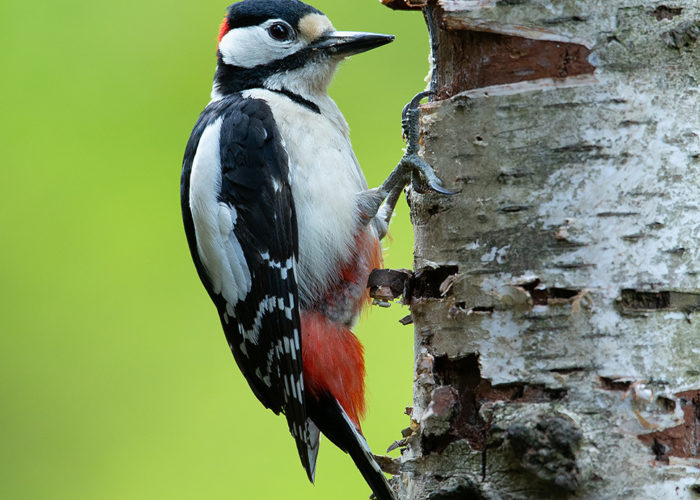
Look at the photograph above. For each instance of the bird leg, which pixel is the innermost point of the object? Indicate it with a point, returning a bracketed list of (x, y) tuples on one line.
[(378, 204)]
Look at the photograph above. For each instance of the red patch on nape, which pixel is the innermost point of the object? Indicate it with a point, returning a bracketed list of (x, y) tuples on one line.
[(223, 29), (333, 362)]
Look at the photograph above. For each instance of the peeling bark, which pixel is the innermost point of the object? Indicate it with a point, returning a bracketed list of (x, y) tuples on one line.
[(555, 298)]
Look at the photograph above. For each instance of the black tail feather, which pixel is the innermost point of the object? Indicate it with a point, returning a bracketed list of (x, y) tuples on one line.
[(335, 424)]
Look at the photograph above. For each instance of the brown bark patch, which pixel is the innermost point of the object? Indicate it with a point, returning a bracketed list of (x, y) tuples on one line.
[(480, 59), (682, 441), (468, 58)]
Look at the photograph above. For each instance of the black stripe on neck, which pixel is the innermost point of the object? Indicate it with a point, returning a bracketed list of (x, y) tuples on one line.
[(298, 99)]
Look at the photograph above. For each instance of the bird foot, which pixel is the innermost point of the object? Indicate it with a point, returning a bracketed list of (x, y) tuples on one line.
[(379, 203), (411, 161)]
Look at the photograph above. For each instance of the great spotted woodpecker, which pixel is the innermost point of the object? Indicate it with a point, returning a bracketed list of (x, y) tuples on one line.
[(281, 226)]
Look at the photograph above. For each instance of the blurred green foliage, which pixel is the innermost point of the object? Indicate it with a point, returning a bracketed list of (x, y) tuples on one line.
[(115, 379)]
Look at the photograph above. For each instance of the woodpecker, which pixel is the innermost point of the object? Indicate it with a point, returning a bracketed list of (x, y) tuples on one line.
[(281, 225)]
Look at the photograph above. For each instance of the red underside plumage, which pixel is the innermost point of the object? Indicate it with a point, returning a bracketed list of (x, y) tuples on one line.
[(333, 362), (332, 355)]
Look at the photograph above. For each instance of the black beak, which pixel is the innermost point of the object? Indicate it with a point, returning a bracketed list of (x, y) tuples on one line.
[(347, 43)]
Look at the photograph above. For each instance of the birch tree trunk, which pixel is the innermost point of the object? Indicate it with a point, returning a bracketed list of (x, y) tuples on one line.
[(557, 340)]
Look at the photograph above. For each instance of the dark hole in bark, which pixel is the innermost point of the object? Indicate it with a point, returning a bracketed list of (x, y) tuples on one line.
[(464, 376), (387, 284), (579, 148), (675, 251), (461, 307), (573, 265), (666, 12), (567, 370), (634, 299), (427, 281), (659, 451), (483, 309), (611, 384), (510, 177), (683, 440), (634, 237), (666, 404), (513, 209), (434, 209), (695, 489), (519, 392), (617, 214), (564, 19), (541, 295), (465, 491)]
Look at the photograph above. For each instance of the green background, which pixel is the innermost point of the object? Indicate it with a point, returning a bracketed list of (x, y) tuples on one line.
[(115, 378)]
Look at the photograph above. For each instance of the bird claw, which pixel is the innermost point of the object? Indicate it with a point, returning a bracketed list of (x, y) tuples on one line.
[(413, 103), (416, 164), (439, 189), (411, 129), (411, 162)]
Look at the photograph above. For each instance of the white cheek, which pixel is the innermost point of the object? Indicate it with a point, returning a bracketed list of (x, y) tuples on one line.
[(252, 46)]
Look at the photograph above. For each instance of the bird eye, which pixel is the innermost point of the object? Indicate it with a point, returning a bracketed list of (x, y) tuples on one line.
[(280, 32)]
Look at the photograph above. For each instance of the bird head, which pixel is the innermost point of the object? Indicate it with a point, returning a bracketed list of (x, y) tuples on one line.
[(283, 45)]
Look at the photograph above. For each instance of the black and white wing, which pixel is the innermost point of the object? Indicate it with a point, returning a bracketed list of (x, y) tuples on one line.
[(242, 230)]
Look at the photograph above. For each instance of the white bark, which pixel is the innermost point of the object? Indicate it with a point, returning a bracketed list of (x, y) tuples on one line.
[(557, 343)]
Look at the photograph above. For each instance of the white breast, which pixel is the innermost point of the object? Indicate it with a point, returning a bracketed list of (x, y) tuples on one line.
[(325, 178)]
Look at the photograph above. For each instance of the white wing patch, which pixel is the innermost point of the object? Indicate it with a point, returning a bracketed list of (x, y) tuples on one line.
[(218, 248)]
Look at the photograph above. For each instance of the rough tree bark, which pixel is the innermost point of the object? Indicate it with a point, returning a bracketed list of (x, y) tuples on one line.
[(555, 297)]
